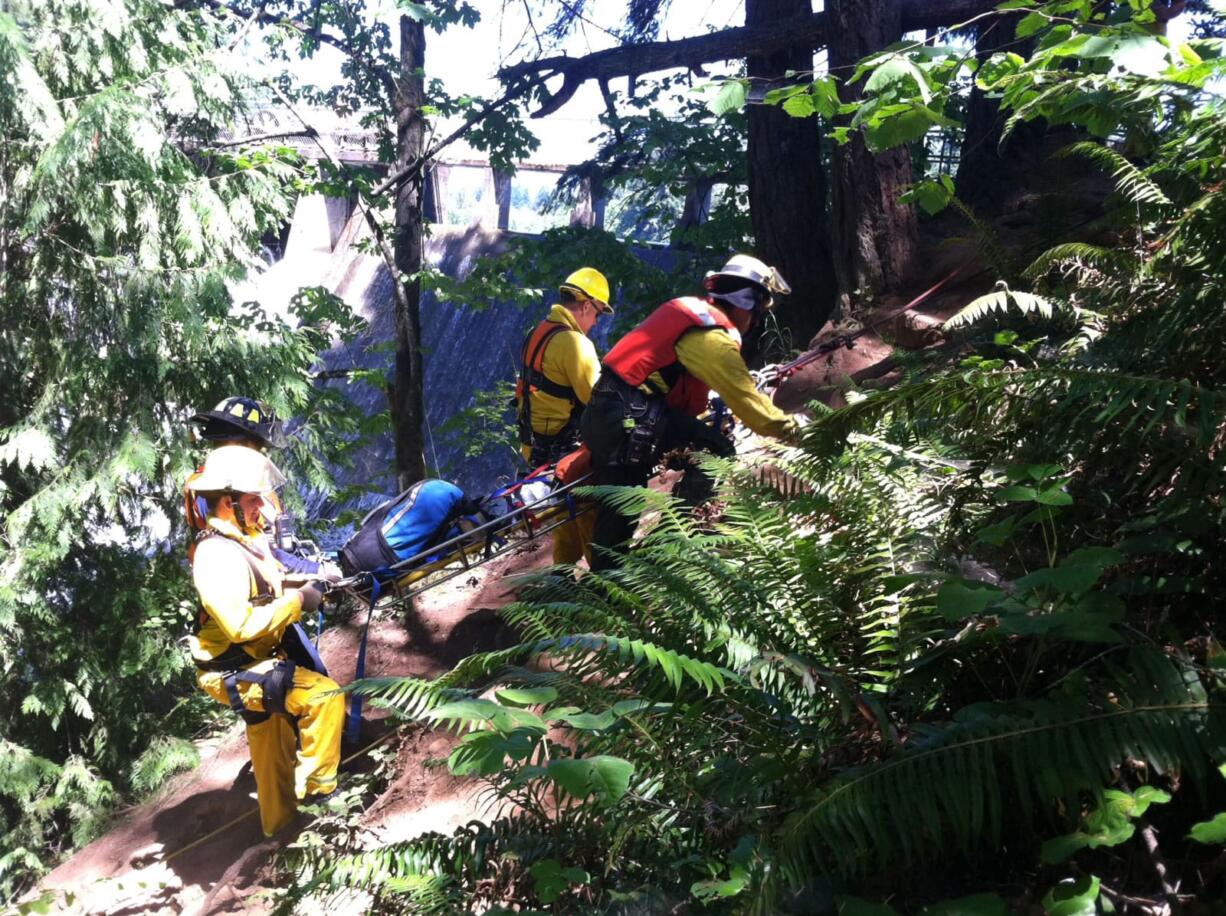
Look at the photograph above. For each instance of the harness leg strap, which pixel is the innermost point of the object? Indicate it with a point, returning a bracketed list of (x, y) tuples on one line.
[(250, 716), (274, 685)]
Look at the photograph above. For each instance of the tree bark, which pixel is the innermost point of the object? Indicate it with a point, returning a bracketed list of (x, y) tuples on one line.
[(407, 400), (787, 182), (875, 235), (729, 44), (988, 171)]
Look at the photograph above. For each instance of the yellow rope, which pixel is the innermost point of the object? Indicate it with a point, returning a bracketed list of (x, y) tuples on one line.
[(224, 827)]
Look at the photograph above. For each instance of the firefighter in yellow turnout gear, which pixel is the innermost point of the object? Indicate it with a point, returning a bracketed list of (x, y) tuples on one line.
[(559, 368), (237, 646)]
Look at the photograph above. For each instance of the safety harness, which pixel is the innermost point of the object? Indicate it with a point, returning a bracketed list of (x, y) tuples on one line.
[(233, 663), (636, 410), (546, 448)]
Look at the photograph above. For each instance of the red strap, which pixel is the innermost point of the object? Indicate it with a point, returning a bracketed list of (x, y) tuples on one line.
[(845, 340)]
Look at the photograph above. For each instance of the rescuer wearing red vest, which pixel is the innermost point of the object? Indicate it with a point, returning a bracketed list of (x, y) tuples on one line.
[(558, 368), (656, 381)]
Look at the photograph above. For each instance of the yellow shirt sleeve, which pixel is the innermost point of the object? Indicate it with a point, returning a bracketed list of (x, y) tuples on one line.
[(713, 357), (577, 360), (222, 578)]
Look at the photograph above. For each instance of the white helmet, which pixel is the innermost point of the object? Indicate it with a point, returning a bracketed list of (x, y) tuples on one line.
[(746, 267), (237, 469)]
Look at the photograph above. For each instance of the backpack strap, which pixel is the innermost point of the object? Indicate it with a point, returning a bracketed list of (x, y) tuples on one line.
[(533, 366), (235, 657), (532, 376)]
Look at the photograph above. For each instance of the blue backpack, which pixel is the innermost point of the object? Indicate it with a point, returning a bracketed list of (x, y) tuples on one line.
[(401, 528)]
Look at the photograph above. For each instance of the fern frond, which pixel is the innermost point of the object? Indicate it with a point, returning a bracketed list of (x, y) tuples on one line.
[(1137, 187), (952, 785), (999, 301), (425, 873), (1109, 261)]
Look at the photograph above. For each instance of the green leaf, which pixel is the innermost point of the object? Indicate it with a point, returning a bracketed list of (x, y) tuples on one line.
[(418, 12), (896, 127), (533, 696), (1054, 496), (501, 718), (731, 97), (465, 711), (1101, 557), (586, 720), (1072, 898), (974, 905), (896, 71), (484, 753), (1213, 831), (1030, 24), (1069, 580), (958, 599), (552, 880), (605, 777), (932, 196), (800, 106), (1016, 494), (1146, 796), (717, 889), (1110, 824)]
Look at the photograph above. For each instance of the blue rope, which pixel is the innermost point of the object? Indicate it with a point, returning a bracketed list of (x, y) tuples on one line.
[(353, 722)]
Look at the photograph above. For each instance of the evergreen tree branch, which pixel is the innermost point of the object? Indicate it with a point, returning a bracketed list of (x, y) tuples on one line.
[(311, 32)]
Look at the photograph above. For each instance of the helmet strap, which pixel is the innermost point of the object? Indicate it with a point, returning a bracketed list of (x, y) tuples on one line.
[(245, 524), (240, 516)]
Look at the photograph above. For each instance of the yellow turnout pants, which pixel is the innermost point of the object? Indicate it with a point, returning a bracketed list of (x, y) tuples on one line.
[(572, 542), (288, 768)]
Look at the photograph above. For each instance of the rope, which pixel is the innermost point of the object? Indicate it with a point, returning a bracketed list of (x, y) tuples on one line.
[(846, 340), (246, 814), (425, 414)]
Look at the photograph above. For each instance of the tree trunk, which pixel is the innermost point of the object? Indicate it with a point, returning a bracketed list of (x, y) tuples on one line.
[(696, 210), (787, 184), (988, 171), (874, 235), (408, 403)]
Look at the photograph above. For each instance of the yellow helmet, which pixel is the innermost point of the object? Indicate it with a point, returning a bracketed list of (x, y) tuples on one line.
[(237, 469), (591, 284)]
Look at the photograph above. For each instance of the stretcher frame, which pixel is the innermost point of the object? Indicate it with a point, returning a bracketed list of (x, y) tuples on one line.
[(470, 549)]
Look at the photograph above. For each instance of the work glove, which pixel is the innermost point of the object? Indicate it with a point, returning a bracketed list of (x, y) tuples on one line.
[(312, 595)]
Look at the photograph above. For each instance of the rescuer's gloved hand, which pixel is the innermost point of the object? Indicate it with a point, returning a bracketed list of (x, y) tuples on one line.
[(312, 595)]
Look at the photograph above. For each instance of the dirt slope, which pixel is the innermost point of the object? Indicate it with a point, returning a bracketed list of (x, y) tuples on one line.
[(140, 865)]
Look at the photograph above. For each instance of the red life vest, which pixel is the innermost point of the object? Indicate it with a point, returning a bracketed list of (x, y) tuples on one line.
[(651, 347)]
